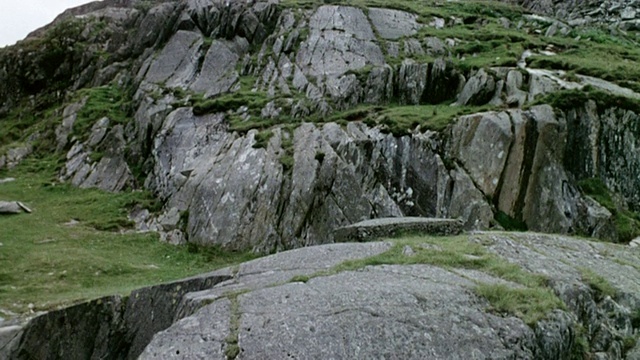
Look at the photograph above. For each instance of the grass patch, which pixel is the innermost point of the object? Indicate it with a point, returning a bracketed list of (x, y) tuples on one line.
[(597, 283), (627, 223), (570, 99), (48, 260), (109, 101), (262, 139), (529, 304)]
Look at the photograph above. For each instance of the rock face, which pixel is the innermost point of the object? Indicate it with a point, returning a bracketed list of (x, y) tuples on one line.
[(292, 305), (187, 140)]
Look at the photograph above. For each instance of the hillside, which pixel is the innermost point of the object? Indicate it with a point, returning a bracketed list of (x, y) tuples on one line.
[(263, 126)]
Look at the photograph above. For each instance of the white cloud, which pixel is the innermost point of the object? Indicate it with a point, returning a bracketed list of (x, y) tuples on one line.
[(20, 17)]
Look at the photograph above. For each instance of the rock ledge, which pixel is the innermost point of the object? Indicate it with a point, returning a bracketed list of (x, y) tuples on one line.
[(385, 227)]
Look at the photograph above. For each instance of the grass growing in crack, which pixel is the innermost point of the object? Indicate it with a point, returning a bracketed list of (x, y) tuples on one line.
[(106, 101), (262, 139), (531, 302), (232, 348), (627, 223), (48, 260), (597, 283)]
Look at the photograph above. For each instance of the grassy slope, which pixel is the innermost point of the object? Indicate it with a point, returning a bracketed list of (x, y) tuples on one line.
[(47, 263)]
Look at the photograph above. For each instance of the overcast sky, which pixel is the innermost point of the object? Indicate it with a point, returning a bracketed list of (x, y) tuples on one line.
[(20, 17)]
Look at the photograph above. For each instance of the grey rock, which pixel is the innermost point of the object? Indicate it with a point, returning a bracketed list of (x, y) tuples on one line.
[(10, 207), (490, 132), (435, 46), (478, 90), (389, 227), (412, 47), (628, 13), (515, 96), (111, 172), (505, 22), (411, 81), (98, 132), (443, 82), (393, 24), (7, 180), (111, 319), (177, 63), (379, 86), (69, 116), (630, 25), (340, 39), (437, 23), (270, 111), (218, 72), (16, 155), (393, 49)]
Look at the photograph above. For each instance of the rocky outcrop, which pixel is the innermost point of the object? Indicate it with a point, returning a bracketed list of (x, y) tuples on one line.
[(299, 304), (286, 65), (113, 327)]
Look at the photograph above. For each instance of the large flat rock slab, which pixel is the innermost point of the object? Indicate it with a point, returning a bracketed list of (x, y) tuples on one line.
[(389, 227)]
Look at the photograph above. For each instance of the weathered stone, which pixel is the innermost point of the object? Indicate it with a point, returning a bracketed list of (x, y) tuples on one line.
[(412, 47), (218, 72), (478, 90), (628, 13), (389, 227), (69, 116), (393, 24), (340, 39), (481, 143), (411, 82), (435, 46), (10, 207), (177, 64)]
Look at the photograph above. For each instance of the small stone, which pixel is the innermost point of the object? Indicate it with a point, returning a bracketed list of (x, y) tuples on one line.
[(408, 251), (437, 23), (628, 13)]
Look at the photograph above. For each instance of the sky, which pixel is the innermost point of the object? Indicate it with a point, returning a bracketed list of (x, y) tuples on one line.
[(20, 17)]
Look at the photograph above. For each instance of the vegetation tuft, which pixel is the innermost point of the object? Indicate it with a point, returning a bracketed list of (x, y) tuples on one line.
[(626, 222), (109, 101)]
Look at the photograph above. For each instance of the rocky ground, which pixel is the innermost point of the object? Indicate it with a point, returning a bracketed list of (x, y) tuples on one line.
[(309, 303)]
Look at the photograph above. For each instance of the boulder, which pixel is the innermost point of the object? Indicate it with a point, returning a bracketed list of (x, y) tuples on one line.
[(10, 207), (13, 207)]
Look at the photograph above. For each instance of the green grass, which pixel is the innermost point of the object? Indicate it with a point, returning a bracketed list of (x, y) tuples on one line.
[(531, 302), (597, 283), (626, 222), (105, 101), (570, 99), (46, 262)]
